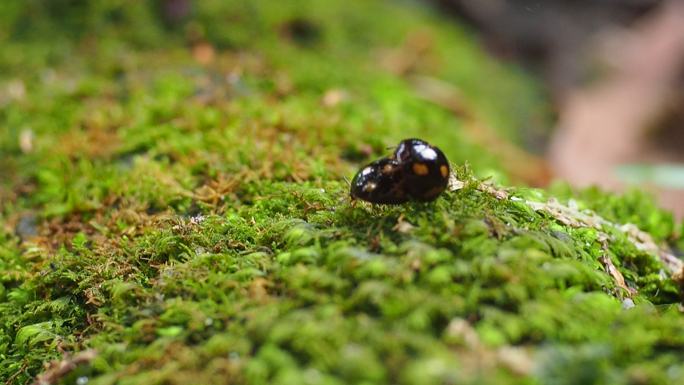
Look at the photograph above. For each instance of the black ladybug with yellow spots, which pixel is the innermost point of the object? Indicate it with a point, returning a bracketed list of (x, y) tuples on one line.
[(416, 171)]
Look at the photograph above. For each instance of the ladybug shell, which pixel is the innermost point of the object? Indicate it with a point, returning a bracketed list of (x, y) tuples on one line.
[(380, 182), (416, 171), (425, 169)]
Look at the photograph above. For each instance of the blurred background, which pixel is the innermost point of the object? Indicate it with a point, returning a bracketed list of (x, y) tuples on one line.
[(612, 74), (614, 71)]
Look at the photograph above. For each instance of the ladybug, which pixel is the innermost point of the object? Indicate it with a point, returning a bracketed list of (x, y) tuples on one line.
[(415, 171), (381, 181)]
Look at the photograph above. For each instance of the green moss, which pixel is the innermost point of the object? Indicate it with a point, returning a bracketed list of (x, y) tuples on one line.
[(191, 222), (634, 206)]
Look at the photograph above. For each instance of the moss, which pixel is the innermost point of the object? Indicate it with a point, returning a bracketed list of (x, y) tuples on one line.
[(190, 220), (634, 206)]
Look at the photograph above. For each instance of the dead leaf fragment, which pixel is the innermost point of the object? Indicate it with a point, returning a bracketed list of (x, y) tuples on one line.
[(56, 370), (462, 330), (403, 226), (615, 273), (204, 53), (333, 97), (26, 140), (516, 359)]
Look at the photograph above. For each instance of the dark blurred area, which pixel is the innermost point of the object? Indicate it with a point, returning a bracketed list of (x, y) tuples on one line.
[(550, 36), (615, 72)]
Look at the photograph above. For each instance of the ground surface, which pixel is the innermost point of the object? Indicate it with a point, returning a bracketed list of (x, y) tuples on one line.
[(175, 211)]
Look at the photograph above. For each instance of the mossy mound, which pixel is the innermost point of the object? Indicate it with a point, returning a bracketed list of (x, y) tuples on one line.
[(176, 215)]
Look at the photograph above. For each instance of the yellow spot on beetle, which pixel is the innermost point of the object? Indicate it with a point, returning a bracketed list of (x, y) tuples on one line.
[(444, 170), (420, 169), (370, 187)]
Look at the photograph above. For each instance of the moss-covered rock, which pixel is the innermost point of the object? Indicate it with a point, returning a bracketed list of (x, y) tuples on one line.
[(175, 211)]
